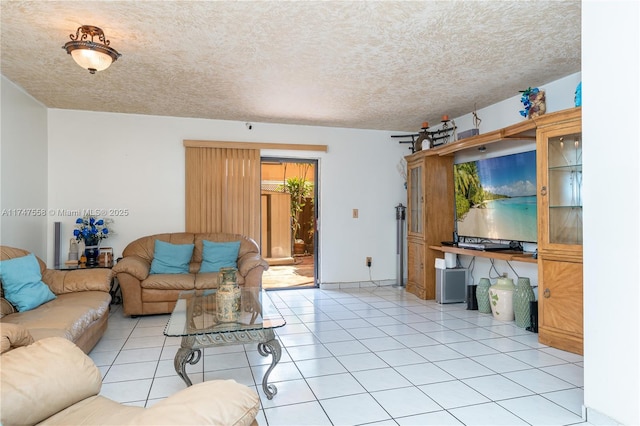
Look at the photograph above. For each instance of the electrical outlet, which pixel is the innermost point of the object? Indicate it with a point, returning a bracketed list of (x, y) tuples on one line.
[(369, 261), (355, 213)]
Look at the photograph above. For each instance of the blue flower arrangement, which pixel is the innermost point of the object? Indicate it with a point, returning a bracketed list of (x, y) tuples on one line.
[(91, 230), (534, 102), (526, 99)]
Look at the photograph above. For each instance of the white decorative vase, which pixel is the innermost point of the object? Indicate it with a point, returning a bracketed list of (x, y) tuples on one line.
[(501, 297)]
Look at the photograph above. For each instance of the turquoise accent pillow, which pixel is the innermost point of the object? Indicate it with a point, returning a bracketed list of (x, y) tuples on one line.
[(219, 255), (22, 283), (171, 258)]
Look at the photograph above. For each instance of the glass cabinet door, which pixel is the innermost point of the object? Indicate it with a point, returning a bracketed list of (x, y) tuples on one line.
[(415, 182), (564, 189)]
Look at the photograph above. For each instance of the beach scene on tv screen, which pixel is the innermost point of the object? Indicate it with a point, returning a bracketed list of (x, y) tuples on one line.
[(496, 198)]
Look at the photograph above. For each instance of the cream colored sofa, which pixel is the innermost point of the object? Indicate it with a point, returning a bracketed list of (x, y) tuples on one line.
[(144, 294), (52, 382), (78, 313)]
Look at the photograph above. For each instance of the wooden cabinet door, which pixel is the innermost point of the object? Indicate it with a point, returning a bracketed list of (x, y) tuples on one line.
[(559, 175), (560, 305), (415, 267), (415, 198)]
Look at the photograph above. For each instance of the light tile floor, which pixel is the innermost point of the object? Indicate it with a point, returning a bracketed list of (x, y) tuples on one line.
[(364, 356)]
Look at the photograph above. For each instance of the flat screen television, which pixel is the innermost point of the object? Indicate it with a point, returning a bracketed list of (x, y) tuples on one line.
[(495, 198)]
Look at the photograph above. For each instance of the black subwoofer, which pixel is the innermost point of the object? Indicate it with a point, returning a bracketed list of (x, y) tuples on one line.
[(534, 317), (472, 301)]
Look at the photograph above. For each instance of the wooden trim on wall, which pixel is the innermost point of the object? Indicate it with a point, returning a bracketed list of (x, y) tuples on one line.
[(254, 145)]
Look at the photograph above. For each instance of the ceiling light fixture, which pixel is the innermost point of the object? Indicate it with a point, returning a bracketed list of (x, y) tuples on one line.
[(91, 55)]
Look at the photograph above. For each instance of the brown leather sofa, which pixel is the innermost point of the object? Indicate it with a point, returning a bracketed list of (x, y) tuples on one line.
[(145, 294), (52, 382), (78, 313)]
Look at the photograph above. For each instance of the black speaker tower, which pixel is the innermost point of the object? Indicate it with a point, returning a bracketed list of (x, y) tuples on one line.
[(56, 244)]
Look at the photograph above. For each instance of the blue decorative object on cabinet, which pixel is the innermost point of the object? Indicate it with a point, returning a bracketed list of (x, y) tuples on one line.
[(578, 97)]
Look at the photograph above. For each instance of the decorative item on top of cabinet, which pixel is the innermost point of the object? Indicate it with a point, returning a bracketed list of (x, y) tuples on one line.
[(445, 134), (424, 140), (412, 140), (534, 102), (476, 126), (559, 169)]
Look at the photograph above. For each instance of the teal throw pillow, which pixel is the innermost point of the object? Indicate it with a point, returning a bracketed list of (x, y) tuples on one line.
[(171, 258), (219, 255), (22, 283)]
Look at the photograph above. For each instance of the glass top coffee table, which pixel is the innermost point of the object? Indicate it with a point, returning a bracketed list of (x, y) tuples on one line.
[(194, 319)]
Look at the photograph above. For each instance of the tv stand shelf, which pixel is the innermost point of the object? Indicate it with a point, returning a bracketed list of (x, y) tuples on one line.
[(508, 255)]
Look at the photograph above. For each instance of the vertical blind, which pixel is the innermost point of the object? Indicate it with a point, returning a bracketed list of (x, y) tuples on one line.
[(223, 190)]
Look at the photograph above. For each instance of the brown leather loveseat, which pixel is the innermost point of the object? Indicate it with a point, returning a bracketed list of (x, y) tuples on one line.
[(79, 311), (144, 293)]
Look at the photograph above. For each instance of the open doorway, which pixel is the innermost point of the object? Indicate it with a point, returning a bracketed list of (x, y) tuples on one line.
[(289, 205)]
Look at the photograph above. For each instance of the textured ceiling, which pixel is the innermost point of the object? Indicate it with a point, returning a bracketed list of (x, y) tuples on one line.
[(377, 65)]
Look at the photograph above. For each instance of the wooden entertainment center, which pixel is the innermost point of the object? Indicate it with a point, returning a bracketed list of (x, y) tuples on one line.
[(430, 218)]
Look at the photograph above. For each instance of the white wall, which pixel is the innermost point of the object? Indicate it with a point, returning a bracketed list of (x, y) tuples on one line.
[(135, 162), (23, 170), (611, 111)]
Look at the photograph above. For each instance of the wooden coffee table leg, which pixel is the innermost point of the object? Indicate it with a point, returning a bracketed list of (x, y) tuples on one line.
[(184, 356), (271, 347)]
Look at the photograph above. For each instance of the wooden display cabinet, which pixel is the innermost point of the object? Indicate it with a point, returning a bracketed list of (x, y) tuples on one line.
[(558, 139), (430, 199), (429, 219), (559, 176)]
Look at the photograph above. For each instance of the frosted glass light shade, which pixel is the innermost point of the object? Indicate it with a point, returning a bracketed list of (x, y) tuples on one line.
[(90, 54), (91, 59)]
